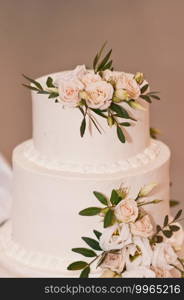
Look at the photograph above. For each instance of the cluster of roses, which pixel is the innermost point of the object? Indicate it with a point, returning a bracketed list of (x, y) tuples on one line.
[(98, 90), (129, 244)]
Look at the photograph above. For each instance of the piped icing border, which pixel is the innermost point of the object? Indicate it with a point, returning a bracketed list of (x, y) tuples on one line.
[(26, 257), (139, 160)]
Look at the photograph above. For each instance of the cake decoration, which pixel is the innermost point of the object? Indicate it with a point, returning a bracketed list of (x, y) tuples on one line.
[(131, 245), (101, 91)]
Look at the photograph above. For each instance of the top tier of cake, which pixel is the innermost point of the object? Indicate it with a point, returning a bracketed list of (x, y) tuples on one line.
[(56, 134)]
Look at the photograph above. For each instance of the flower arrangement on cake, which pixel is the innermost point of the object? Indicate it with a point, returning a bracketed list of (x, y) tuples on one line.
[(131, 245), (100, 91)]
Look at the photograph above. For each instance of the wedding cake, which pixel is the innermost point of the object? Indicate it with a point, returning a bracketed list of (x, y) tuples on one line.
[(91, 143)]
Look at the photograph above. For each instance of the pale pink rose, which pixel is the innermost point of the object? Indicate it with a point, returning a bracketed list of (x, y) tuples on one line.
[(163, 256), (126, 211), (90, 77), (99, 94), (161, 273), (142, 227), (128, 83), (69, 92), (176, 240), (140, 272), (114, 262), (115, 237)]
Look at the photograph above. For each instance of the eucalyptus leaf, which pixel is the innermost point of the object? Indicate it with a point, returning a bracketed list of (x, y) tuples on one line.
[(85, 272), (109, 218), (104, 61), (115, 198), (166, 220), (173, 203), (92, 243), (107, 66), (85, 252), (97, 234), (83, 127), (49, 82), (98, 55), (155, 97), (125, 124), (77, 265), (178, 215), (144, 88), (99, 112), (120, 134), (36, 83), (53, 95), (90, 211), (120, 111), (167, 233), (146, 98), (174, 228), (101, 197)]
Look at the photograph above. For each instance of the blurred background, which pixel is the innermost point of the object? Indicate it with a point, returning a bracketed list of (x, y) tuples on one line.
[(43, 36)]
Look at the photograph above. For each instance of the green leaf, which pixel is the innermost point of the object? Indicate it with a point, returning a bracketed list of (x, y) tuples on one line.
[(83, 127), (174, 228), (99, 112), (30, 87), (101, 197), (120, 111), (173, 203), (166, 220), (49, 82), (84, 251), (167, 233), (77, 265), (178, 215), (144, 88), (109, 218), (107, 66), (155, 97), (104, 61), (97, 234), (98, 55), (53, 95), (126, 124), (158, 228), (92, 243), (36, 83), (159, 239), (115, 198), (85, 272), (146, 98), (120, 134), (43, 92), (90, 211)]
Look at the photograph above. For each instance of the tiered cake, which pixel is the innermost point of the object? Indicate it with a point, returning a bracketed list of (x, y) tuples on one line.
[(57, 171)]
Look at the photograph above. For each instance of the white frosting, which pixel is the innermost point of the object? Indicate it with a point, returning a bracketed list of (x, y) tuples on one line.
[(47, 202), (56, 133), (149, 154)]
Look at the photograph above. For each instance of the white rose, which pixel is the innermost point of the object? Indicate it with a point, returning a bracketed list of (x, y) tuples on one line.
[(79, 71), (99, 94), (142, 227), (140, 272), (114, 261), (176, 240), (115, 237), (163, 256), (138, 254), (126, 211), (90, 77), (127, 82), (162, 273), (111, 76), (69, 92)]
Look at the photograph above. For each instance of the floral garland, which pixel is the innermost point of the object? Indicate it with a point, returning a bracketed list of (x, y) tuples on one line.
[(130, 244), (99, 91)]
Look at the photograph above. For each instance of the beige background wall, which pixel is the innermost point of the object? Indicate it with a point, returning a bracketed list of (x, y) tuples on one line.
[(42, 36)]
